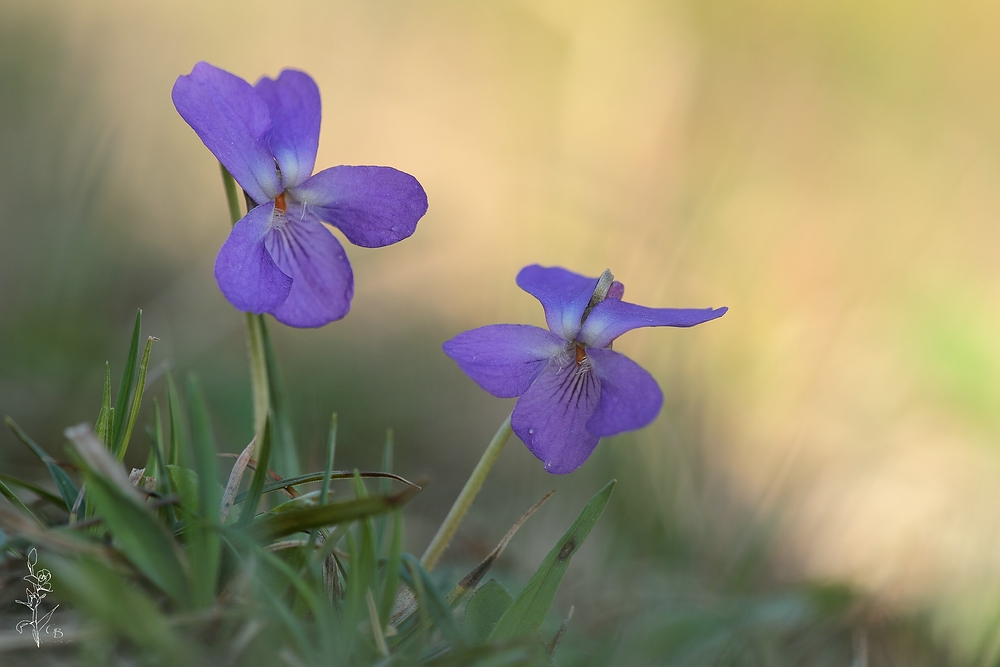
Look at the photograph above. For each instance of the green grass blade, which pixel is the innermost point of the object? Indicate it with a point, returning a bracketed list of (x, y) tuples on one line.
[(381, 523), (431, 600), (274, 526), (390, 583), (525, 615), (122, 445), (140, 536), (284, 452), (331, 451), (163, 484), (176, 417), (103, 428), (125, 387), (45, 495), (249, 509), (67, 489), (485, 608), (203, 541), (291, 482), (16, 502)]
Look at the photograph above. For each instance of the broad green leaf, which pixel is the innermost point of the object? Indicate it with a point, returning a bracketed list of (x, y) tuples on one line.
[(140, 536), (525, 615), (485, 608), (125, 387), (67, 489), (271, 527), (121, 446)]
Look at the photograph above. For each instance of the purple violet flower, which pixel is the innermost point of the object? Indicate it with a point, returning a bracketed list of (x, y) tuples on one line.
[(279, 258), (573, 389)]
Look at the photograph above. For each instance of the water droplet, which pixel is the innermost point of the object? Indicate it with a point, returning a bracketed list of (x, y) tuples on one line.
[(530, 431)]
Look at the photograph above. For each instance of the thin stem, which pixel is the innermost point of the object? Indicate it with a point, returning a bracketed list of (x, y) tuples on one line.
[(465, 498), (255, 329)]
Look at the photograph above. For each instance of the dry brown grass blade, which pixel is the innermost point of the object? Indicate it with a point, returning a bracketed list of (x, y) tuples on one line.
[(233, 485)]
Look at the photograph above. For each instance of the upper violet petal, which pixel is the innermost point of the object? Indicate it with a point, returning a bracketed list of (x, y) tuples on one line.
[(504, 359), (233, 122), (551, 417), (611, 318), (372, 206), (630, 397), (322, 281), (246, 274), (294, 104), (563, 294)]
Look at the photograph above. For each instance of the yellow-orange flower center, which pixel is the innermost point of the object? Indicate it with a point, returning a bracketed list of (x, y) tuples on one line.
[(581, 355), (279, 203)]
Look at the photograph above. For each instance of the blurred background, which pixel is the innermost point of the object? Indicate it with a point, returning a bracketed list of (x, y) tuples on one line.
[(821, 486)]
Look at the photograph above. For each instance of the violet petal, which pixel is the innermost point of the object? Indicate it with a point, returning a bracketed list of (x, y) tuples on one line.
[(372, 206), (246, 274), (294, 104), (322, 281), (233, 122), (630, 397), (611, 318), (564, 296), (504, 359), (551, 417)]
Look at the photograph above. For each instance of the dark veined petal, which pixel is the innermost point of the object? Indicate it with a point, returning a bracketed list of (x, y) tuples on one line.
[(630, 397), (504, 359), (246, 274), (372, 206), (551, 417), (611, 318), (322, 281), (564, 296), (233, 122), (293, 100)]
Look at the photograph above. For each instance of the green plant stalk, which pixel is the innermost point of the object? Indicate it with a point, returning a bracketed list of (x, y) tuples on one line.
[(255, 330), (465, 498)]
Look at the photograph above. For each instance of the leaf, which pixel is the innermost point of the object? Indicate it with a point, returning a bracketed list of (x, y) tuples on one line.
[(139, 534), (176, 417), (185, 483), (485, 608), (203, 541), (48, 496), (291, 482), (16, 502), (527, 612), (249, 509), (104, 417), (163, 482), (125, 387), (121, 446), (67, 489), (233, 485), (271, 527)]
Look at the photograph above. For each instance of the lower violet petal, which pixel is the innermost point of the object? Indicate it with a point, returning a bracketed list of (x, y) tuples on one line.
[(246, 274), (504, 359), (551, 417), (372, 206), (630, 397), (322, 281)]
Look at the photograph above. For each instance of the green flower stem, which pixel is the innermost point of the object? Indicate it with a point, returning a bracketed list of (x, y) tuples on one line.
[(465, 498), (255, 330)]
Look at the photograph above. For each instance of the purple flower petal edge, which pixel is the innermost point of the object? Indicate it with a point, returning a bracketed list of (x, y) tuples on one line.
[(563, 294), (246, 274), (294, 104), (630, 397), (611, 318)]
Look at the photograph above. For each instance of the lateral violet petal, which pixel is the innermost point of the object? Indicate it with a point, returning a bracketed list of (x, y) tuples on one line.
[(294, 103), (551, 417), (563, 294), (611, 318), (504, 359), (630, 397), (246, 274), (233, 122), (372, 206), (322, 280)]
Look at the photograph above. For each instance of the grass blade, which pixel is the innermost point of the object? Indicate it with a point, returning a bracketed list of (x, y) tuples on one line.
[(273, 526), (204, 543), (104, 417), (485, 608), (176, 417), (291, 482), (525, 615), (125, 387), (16, 502), (430, 600), (249, 509), (67, 489), (122, 445), (45, 495), (233, 485), (283, 438)]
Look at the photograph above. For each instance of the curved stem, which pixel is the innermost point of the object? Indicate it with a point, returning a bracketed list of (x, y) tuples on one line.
[(465, 498)]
